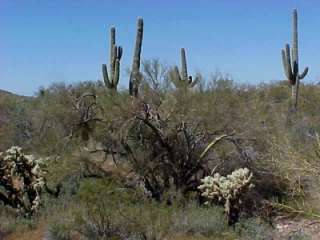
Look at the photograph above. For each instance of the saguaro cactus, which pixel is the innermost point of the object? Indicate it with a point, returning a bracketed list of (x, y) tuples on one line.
[(291, 62), (111, 80), (183, 78), (135, 76)]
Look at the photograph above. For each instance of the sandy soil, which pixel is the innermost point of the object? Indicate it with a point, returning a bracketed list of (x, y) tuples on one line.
[(287, 228)]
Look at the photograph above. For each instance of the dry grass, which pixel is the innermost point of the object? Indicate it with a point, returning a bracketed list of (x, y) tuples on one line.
[(35, 234)]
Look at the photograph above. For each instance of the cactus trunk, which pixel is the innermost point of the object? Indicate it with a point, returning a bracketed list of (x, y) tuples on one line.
[(135, 76), (295, 58)]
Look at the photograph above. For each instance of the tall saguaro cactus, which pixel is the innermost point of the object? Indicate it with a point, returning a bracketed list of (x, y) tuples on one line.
[(291, 62), (183, 78), (111, 80), (135, 75)]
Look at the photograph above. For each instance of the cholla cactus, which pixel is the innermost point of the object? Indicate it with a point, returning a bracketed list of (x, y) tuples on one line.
[(21, 180), (227, 190)]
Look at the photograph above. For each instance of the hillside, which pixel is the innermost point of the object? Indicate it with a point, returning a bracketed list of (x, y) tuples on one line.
[(10, 108), (5, 98), (254, 126)]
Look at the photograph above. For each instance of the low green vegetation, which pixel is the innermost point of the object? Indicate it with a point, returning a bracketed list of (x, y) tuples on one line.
[(131, 168)]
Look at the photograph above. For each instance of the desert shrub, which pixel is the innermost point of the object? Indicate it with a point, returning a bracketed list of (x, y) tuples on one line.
[(59, 231), (61, 219), (15, 126), (207, 221), (166, 152), (300, 236), (102, 210), (21, 180), (158, 138), (55, 113), (155, 75), (10, 222), (253, 228), (107, 210)]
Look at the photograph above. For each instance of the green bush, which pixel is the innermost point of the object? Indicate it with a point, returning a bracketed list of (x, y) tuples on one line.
[(277, 146)]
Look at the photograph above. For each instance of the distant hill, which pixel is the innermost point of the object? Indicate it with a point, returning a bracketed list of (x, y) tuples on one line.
[(6, 96), (5, 99), (4, 93)]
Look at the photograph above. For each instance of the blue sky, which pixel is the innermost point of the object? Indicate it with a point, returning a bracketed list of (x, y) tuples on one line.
[(46, 41)]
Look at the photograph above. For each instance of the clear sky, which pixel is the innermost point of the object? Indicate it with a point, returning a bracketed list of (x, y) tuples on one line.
[(46, 41)]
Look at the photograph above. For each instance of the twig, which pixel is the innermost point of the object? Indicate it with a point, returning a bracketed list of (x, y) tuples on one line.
[(294, 210), (214, 142)]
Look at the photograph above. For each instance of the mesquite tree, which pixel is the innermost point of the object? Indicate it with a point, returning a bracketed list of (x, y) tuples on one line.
[(291, 62)]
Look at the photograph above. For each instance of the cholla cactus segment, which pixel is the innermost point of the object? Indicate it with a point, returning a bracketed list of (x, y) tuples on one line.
[(227, 190), (21, 180)]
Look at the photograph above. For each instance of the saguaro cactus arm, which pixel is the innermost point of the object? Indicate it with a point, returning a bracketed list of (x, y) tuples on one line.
[(286, 60), (105, 76), (176, 74), (184, 70), (135, 76), (304, 73), (117, 72), (111, 81), (288, 69)]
